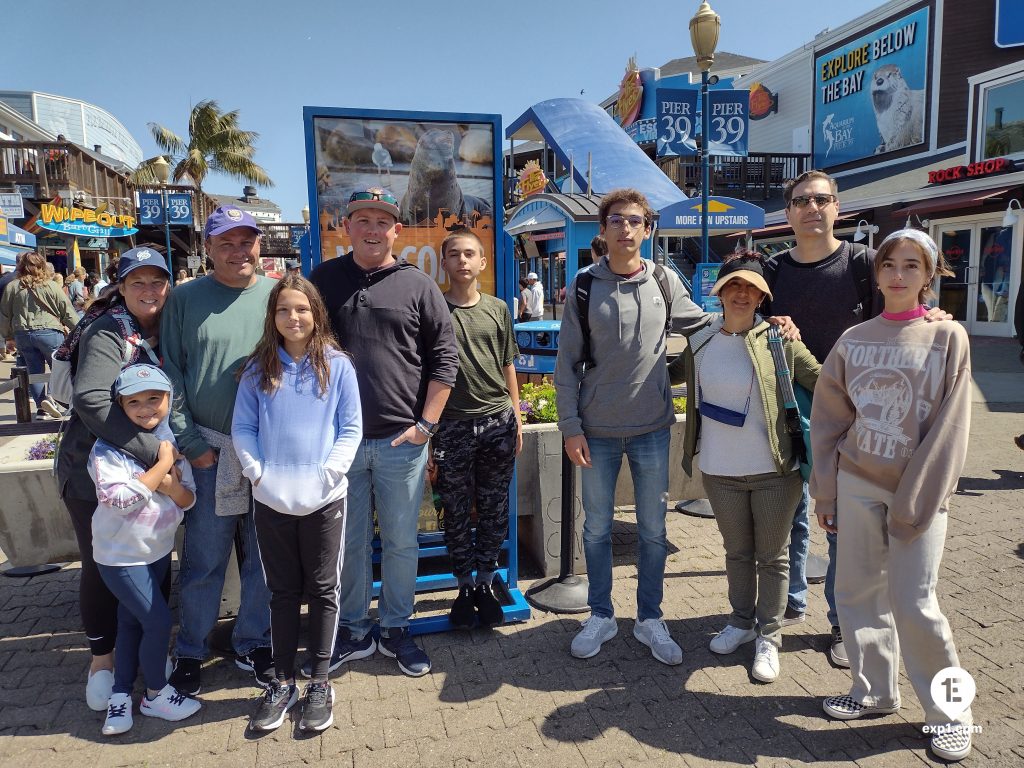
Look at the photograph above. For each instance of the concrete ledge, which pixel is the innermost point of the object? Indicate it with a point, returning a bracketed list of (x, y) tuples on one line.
[(34, 526)]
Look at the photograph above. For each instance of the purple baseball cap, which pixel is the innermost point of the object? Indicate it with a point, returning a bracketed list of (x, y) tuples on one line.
[(226, 218)]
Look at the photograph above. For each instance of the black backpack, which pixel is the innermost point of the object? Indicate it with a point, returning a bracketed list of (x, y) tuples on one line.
[(860, 270), (585, 279)]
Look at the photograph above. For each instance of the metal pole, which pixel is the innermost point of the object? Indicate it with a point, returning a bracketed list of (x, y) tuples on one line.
[(167, 232), (705, 158)]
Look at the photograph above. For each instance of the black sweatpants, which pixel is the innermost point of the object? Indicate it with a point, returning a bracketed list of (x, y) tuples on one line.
[(302, 554), (96, 603)]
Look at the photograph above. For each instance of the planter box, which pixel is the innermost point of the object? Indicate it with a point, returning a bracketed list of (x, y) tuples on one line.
[(539, 490), (35, 528)]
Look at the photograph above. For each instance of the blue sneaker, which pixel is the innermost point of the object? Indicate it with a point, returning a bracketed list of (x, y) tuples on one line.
[(345, 649), (397, 643)]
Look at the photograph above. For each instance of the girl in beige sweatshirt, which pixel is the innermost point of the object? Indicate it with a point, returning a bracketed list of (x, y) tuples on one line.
[(889, 432)]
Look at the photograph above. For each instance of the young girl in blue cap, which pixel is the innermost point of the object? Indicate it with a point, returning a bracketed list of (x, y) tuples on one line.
[(296, 427), (133, 529)]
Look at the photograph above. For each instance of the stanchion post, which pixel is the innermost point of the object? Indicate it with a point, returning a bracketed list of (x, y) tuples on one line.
[(22, 395)]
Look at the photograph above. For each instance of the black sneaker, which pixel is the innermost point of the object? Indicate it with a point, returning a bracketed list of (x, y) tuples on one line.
[(792, 616), (317, 707), (345, 649), (185, 676), (463, 612), (260, 662), (837, 648), (397, 643), (487, 606), (274, 705)]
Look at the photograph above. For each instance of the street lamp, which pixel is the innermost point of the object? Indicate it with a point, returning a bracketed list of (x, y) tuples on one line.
[(704, 27), (162, 171)]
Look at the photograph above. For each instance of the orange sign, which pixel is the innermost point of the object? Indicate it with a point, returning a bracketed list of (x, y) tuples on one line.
[(420, 245), (630, 94), (532, 179)]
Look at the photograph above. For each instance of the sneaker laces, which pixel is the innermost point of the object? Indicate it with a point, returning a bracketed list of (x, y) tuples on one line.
[(659, 632), (275, 692), (176, 699), (116, 710), (591, 627), (764, 649), (316, 694)]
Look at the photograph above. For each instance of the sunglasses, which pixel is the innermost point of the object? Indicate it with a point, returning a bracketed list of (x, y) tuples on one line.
[(381, 195), (802, 201)]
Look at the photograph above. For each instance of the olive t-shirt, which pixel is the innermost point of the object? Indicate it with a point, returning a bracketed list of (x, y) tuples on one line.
[(486, 345)]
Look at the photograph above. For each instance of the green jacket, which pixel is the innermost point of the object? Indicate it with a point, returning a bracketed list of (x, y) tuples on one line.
[(801, 362), (44, 306)]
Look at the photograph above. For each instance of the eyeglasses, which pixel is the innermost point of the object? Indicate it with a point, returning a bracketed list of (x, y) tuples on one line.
[(615, 221), (801, 201), (374, 194)]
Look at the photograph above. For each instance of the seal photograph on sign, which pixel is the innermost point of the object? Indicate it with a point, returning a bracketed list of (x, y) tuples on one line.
[(899, 111)]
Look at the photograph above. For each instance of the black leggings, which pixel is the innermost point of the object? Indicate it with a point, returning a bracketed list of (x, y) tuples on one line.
[(96, 603)]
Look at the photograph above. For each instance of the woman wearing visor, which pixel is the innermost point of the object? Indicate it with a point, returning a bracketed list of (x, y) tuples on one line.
[(736, 419)]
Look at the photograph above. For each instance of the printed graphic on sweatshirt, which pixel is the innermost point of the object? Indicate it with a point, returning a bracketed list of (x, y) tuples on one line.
[(900, 380)]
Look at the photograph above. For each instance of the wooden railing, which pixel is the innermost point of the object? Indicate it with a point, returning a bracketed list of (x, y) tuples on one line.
[(55, 167), (759, 176)]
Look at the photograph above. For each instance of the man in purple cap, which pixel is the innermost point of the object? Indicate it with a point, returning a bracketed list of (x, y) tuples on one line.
[(394, 322), (208, 328)]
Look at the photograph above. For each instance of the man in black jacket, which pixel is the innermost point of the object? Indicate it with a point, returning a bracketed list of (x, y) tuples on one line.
[(393, 320)]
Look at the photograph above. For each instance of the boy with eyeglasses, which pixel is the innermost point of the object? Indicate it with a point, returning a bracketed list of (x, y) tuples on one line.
[(827, 286), (394, 322), (617, 401)]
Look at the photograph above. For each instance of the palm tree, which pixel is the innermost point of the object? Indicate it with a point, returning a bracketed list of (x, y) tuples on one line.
[(215, 143)]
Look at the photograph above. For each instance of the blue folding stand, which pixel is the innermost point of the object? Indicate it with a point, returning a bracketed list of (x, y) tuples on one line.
[(431, 545)]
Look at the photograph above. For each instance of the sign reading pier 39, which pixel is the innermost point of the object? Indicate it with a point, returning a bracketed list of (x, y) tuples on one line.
[(870, 93)]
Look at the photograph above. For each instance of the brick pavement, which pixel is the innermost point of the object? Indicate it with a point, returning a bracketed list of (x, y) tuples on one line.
[(514, 696)]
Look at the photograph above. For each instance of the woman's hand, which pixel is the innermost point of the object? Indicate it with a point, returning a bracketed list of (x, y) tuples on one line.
[(827, 520), (166, 454)]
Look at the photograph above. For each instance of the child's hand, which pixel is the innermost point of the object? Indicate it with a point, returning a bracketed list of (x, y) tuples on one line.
[(167, 453), (167, 483)]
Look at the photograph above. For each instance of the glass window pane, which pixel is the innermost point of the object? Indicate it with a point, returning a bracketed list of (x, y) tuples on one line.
[(994, 274), (1004, 120), (956, 248)]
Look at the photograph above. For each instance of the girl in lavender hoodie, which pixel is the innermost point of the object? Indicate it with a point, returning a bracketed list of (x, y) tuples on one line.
[(296, 427)]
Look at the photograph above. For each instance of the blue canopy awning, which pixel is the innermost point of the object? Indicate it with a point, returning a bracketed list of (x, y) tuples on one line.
[(9, 256), (575, 129)]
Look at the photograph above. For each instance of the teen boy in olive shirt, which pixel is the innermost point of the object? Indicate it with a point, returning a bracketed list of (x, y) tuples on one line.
[(480, 432)]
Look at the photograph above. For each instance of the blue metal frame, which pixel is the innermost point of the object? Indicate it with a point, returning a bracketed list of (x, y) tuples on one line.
[(506, 283)]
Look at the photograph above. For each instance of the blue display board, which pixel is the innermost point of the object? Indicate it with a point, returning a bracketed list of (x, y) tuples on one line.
[(727, 132), (704, 280), (871, 93), (1009, 23), (677, 121), (151, 208)]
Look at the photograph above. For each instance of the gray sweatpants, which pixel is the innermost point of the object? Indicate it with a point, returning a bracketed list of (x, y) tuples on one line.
[(754, 516), (885, 593)]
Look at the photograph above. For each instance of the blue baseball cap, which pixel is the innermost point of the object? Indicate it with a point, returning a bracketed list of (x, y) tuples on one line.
[(140, 378), (226, 218), (140, 257)]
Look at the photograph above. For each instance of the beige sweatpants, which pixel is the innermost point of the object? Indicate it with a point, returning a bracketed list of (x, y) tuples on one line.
[(885, 595), (755, 516)]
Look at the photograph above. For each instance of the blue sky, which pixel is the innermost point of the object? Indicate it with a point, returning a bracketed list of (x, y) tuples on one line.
[(152, 62)]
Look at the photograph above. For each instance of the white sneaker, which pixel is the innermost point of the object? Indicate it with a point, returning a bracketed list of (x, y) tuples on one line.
[(953, 744), (766, 661), (731, 638), (654, 634), (99, 689), (596, 630), (50, 408), (169, 705), (119, 714)]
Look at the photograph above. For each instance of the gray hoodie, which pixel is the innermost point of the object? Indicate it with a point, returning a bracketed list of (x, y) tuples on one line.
[(626, 391)]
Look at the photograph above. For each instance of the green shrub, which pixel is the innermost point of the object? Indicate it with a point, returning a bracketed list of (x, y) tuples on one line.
[(537, 402)]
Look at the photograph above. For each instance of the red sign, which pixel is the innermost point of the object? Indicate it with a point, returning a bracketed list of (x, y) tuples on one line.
[(972, 171), (548, 236)]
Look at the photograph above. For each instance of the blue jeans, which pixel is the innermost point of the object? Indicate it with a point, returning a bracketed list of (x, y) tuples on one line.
[(143, 623), (208, 542), (37, 346), (799, 545), (648, 465), (393, 479)]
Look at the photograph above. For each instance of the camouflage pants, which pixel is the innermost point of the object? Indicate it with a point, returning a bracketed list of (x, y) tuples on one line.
[(475, 459)]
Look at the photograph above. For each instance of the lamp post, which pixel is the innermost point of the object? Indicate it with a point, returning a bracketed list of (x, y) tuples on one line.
[(162, 171), (704, 27)]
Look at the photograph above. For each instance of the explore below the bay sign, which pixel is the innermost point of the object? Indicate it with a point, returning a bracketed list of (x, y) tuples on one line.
[(86, 222)]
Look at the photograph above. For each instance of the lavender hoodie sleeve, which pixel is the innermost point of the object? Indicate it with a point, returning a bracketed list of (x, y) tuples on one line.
[(245, 426)]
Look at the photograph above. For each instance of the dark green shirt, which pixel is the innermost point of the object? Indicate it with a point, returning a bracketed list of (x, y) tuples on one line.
[(486, 345)]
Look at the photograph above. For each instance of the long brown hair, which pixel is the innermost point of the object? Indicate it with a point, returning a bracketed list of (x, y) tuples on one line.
[(266, 357), (31, 269)]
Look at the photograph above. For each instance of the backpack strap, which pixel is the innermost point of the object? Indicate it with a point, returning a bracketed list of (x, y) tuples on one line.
[(584, 281), (860, 270), (666, 294)]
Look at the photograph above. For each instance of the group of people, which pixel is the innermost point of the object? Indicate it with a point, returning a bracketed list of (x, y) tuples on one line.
[(289, 421), (285, 421), (889, 428)]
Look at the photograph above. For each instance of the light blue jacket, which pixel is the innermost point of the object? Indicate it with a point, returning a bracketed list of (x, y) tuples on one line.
[(296, 444)]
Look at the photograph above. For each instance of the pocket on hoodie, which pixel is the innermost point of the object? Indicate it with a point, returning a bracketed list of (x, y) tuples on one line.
[(629, 404), (291, 489)]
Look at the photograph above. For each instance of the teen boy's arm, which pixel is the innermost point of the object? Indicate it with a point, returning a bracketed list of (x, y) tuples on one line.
[(567, 381)]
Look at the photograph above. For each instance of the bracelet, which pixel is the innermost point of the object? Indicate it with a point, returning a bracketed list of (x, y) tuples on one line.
[(424, 430)]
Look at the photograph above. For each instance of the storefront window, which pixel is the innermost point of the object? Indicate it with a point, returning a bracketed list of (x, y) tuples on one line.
[(1004, 120)]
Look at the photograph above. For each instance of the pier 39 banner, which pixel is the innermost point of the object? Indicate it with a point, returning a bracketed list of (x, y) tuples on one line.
[(870, 93)]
